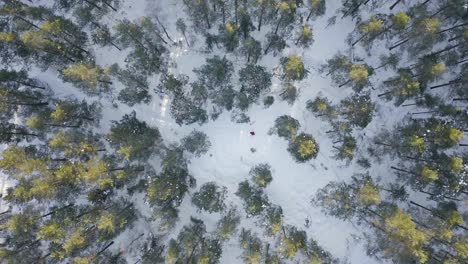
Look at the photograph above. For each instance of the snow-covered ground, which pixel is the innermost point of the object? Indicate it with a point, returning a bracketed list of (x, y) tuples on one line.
[(229, 158)]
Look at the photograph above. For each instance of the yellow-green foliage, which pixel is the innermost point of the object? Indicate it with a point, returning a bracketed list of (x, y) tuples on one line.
[(61, 113), (230, 28), (465, 35), (429, 174), (438, 69), (315, 4), (286, 6), (461, 246), (35, 40), (400, 228), (294, 68), (401, 20), (417, 143), (97, 171), (358, 73), (8, 36), (431, 25), (106, 223), (290, 247), (52, 231), (369, 194), (52, 27), (456, 164), (127, 152), (83, 260), (253, 257), (408, 86), (372, 27), (306, 32), (82, 72), (172, 252), (19, 223), (74, 242), (35, 122), (455, 135), (307, 147), (15, 159), (454, 218)]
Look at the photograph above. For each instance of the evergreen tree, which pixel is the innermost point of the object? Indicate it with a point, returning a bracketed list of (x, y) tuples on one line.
[(286, 127), (303, 147), (210, 197), (196, 142), (255, 201), (293, 68), (132, 138), (227, 225), (261, 174), (254, 81)]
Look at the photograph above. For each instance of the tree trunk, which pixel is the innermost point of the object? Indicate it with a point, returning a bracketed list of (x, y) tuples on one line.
[(207, 20), (186, 40), (164, 30), (260, 19), (223, 10), (447, 84), (22, 103), (357, 41), (345, 83), (394, 4), (23, 134), (93, 4), (425, 2), (354, 9), (69, 126), (445, 49), (454, 27), (278, 24), (102, 250), (409, 104), (399, 44), (413, 158), (445, 196), (28, 84), (103, 81), (235, 10), (462, 61), (402, 170), (309, 15), (113, 44), (298, 39), (54, 211), (383, 144), (109, 5), (425, 112)]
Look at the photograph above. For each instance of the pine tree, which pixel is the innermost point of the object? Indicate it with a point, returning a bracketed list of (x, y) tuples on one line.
[(210, 197), (227, 225), (261, 174), (293, 68), (303, 147), (286, 127), (90, 77), (254, 81)]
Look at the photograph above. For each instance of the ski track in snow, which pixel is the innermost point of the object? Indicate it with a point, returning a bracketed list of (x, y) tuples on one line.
[(229, 158)]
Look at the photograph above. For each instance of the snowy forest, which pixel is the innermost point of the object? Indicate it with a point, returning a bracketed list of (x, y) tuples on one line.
[(233, 131)]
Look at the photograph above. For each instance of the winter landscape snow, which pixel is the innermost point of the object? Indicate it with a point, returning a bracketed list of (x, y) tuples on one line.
[(233, 150)]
